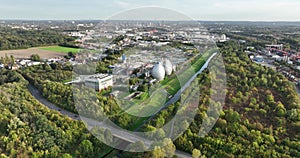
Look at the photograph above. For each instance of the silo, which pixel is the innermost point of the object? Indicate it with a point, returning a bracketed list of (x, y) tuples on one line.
[(158, 72), (168, 67)]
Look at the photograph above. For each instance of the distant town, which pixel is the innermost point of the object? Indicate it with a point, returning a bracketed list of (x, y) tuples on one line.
[(154, 44)]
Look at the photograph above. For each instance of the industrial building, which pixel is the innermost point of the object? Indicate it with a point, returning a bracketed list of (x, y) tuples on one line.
[(99, 81)]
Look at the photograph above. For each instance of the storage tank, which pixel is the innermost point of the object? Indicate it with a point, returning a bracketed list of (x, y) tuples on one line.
[(158, 72), (168, 67)]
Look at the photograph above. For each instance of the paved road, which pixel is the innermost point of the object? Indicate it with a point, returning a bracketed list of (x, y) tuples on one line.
[(45, 102), (91, 123), (118, 132)]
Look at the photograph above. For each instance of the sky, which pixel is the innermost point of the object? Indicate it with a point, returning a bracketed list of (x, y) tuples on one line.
[(212, 10)]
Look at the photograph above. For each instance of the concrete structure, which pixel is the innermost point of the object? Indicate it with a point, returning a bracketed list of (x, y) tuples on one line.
[(99, 81)]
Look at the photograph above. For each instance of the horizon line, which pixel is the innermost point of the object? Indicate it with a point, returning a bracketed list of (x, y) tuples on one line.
[(146, 20)]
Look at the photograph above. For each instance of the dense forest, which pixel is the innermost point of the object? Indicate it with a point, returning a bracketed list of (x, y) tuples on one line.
[(20, 39), (260, 118), (29, 129)]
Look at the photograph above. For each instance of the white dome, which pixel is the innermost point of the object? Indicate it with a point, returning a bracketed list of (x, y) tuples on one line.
[(168, 67), (158, 72)]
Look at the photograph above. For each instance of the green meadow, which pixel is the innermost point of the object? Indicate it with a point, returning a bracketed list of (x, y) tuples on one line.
[(60, 49)]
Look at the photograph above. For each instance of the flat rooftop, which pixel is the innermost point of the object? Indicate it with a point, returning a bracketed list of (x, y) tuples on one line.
[(98, 76)]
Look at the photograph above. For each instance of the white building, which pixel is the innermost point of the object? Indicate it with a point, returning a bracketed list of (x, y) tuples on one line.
[(1, 66), (223, 38), (99, 81), (34, 63), (24, 62)]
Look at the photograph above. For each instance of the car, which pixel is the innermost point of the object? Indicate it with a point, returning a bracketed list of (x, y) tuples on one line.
[(292, 77)]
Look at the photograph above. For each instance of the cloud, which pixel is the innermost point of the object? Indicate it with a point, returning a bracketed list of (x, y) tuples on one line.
[(261, 10), (122, 4), (126, 4), (197, 9)]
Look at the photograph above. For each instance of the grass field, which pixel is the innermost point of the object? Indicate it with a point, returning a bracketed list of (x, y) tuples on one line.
[(60, 49), (172, 85), (149, 105)]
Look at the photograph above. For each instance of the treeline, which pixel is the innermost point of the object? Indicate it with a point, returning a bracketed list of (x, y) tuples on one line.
[(21, 39), (69, 45)]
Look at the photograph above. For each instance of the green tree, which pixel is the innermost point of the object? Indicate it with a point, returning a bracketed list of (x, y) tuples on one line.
[(66, 156), (196, 153), (158, 152), (169, 148), (86, 149), (35, 57), (12, 59)]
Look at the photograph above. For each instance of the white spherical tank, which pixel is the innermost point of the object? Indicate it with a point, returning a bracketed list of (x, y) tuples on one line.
[(158, 72), (168, 67)]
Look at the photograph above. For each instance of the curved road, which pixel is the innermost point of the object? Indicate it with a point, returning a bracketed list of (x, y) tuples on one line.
[(91, 123), (115, 131), (38, 96)]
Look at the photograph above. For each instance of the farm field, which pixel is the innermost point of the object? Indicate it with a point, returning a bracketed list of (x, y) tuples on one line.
[(26, 53), (60, 49)]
